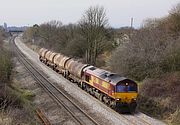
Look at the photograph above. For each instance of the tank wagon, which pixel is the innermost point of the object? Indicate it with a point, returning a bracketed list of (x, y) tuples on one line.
[(42, 53), (59, 63), (74, 70), (49, 58), (108, 87)]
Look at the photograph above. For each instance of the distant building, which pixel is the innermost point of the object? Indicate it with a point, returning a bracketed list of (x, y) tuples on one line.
[(5, 27), (124, 38), (16, 29)]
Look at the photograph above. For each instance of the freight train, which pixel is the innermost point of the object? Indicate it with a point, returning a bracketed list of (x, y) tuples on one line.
[(108, 87)]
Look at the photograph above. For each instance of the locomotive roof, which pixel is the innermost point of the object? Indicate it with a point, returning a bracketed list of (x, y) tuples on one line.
[(113, 78)]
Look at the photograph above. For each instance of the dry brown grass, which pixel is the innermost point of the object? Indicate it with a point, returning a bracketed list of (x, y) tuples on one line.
[(15, 107), (15, 116), (5, 119), (166, 87), (174, 118)]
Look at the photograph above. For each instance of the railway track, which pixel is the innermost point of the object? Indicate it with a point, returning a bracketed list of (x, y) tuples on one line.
[(42, 117), (74, 111)]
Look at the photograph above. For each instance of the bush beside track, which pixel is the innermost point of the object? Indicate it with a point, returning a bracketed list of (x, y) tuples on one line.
[(15, 103), (160, 97)]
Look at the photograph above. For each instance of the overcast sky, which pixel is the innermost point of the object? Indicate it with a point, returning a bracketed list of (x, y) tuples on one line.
[(119, 12)]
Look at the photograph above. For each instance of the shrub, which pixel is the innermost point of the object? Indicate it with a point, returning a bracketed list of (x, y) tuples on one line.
[(160, 97), (149, 54), (5, 66)]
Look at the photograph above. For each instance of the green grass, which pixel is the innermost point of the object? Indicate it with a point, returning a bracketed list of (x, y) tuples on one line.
[(23, 96)]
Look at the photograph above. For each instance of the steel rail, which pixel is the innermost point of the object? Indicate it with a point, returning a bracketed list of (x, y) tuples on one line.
[(42, 117)]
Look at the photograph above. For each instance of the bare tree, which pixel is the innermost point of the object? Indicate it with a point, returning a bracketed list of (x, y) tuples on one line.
[(174, 18), (151, 23), (50, 32), (93, 27)]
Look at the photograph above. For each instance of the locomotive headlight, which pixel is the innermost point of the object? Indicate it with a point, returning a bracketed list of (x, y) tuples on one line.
[(134, 99)]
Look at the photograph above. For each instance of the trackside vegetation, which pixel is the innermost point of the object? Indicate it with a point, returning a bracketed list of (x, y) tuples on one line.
[(15, 103)]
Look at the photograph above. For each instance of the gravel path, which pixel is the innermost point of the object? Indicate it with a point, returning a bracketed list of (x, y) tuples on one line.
[(103, 113)]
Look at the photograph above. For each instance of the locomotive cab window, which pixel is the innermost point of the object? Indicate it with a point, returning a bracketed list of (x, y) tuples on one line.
[(87, 78), (126, 86)]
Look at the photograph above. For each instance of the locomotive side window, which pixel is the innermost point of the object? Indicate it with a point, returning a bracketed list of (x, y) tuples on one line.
[(87, 78)]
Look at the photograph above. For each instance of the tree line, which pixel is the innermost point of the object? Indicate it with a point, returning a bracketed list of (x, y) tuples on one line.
[(87, 39), (152, 50), (148, 52)]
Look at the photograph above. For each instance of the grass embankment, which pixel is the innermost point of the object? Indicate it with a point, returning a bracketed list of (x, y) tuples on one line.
[(17, 106), (15, 103)]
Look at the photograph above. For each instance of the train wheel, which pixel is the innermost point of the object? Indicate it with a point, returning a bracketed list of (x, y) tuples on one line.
[(112, 104), (83, 86), (101, 97), (65, 76)]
